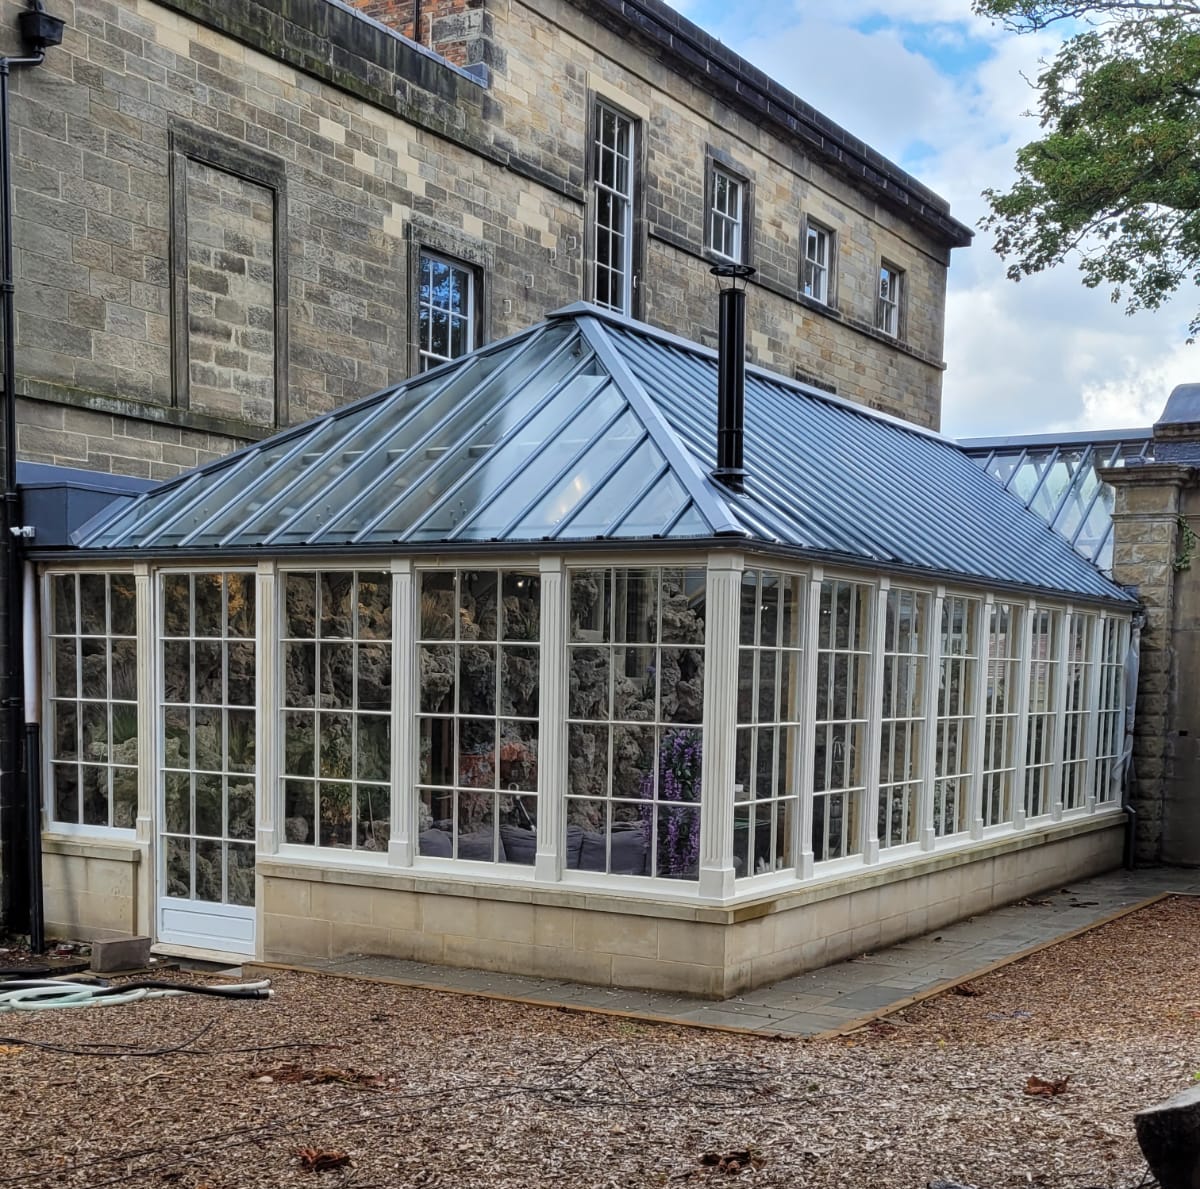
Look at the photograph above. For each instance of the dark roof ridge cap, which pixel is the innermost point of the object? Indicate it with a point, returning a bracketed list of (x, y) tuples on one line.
[(665, 25), (579, 309)]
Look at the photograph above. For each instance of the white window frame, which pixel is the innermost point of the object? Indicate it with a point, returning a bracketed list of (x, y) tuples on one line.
[(725, 222), (889, 299), (817, 264), (427, 355), (612, 206)]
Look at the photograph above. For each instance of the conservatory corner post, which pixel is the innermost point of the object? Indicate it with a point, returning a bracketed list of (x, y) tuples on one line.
[(270, 788), (552, 726), (401, 847), (718, 763), (979, 700)]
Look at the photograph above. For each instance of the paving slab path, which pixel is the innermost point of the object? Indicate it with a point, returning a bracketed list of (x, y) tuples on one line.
[(836, 998)]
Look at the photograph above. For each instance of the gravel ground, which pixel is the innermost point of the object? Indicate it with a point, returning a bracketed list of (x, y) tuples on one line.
[(421, 1088)]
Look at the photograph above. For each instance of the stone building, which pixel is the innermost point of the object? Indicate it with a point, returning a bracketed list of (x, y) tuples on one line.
[(232, 217)]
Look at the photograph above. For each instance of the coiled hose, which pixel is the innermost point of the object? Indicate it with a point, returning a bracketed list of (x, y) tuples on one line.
[(38, 994)]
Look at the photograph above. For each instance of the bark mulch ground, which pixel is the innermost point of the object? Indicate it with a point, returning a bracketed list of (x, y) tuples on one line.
[(1027, 1076)]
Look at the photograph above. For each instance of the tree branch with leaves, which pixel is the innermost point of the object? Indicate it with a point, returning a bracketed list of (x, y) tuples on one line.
[(1115, 178)]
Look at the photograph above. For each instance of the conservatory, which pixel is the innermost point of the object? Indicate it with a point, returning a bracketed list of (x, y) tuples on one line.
[(490, 669)]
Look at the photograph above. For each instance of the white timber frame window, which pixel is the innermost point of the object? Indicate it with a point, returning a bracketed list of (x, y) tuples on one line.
[(446, 310), (1110, 727), (841, 708), (336, 658), (818, 261), (726, 214), (1042, 721), (889, 299), (770, 722), (905, 664), (1001, 712), (953, 759), (92, 701), (478, 713), (1078, 674), (614, 163)]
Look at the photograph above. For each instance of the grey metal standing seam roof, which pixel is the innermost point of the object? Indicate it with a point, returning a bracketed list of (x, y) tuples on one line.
[(1054, 476), (590, 427)]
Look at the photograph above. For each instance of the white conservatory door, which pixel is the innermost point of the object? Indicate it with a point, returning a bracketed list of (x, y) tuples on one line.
[(206, 761)]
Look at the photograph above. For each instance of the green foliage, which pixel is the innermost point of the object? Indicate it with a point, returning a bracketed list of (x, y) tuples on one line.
[(1115, 177)]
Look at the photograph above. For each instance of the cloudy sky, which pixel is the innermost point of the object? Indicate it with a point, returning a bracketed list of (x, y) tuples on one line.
[(942, 93)]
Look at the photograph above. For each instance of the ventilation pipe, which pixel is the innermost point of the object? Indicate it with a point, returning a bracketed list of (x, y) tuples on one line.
[(731, 374)]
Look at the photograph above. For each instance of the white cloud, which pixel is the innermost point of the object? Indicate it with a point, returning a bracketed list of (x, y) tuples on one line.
[(1040, 356)]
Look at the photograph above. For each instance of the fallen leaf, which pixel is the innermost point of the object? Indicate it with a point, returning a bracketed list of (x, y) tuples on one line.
[(1037, 1085), (967, 989), (322, 1159)]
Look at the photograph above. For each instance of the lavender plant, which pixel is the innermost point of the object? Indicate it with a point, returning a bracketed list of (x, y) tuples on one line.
[(678, 781)]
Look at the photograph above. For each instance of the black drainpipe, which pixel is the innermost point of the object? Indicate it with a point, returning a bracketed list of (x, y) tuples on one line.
[(417, 21), (731, 375), (39, 31)]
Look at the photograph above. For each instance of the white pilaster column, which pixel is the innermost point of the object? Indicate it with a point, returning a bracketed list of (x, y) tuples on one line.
[(722, 611), (552, 721), (269, 809), (147, 749), (402, 845)]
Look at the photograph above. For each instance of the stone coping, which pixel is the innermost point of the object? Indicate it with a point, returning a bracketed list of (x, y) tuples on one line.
[(112, 850), (750, 906)]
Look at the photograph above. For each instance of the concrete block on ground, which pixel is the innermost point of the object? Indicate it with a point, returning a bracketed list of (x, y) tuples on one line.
[(1169, 1135), (120, 953)]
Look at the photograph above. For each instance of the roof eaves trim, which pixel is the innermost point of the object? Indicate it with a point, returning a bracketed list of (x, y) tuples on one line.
[(718, 517)]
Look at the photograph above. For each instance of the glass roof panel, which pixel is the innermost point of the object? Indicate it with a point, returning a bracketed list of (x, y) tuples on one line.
[(657, 509), (437, 464), (230, 487), (591, 480), (489, 497), (551, 463)]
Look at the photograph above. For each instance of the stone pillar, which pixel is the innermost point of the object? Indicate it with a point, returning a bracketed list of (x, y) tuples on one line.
[(1155, 517)]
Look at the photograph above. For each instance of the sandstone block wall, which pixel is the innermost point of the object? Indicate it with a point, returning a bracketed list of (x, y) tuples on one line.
[(219, 211)]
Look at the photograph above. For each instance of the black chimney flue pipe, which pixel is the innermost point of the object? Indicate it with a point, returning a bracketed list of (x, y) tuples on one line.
[(731, 376)]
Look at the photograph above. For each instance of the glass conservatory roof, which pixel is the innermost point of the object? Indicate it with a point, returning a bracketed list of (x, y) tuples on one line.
[(1055, 477), (592, 428)]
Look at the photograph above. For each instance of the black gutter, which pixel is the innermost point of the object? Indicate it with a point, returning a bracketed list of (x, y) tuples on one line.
[(18, 806)]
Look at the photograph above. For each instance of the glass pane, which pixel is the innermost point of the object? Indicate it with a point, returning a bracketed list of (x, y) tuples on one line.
[(122, 604), (124, 798), (375, 606), (208, 611), (374, 677), (177, 605), (62, 596), (209, 871), (93, 668), (337, 605), (93, 603), (522, 606), (477, 679), (299, 807), (438, 601), (240, 593), (374, 817), (300, 601), (65, 731), (240, 673), (241, 874), (587, 760), (94, 789), (65, 675), (519, 680), (124, 670), (66, 793), (179, 867), (177, 803), (374, 747), (477, 604)]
